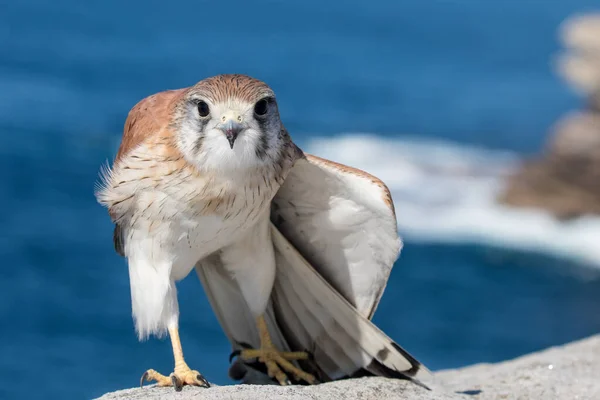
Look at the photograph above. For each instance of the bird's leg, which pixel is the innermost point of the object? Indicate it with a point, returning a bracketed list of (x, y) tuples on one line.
[(182, 375), (276, 360), (251, 260)]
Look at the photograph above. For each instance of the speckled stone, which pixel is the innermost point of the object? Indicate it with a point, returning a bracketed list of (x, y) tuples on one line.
[(571, 371)]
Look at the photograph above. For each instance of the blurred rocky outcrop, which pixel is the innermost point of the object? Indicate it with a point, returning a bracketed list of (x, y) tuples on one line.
[(565, 178)]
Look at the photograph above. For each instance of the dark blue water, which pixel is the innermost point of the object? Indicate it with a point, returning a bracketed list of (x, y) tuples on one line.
[(468, 71)]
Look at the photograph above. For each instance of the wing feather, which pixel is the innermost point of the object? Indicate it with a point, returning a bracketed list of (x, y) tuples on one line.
[(342, 220), (149, 117), (147, 126), (344, 342)]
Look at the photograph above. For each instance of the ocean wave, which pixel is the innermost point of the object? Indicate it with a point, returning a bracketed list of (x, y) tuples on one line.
[(446, 193)]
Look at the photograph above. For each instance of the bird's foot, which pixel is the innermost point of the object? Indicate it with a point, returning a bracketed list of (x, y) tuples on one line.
[(180, 377), (277, 361)]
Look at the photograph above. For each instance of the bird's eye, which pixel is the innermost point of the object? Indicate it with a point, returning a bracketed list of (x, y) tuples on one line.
[(203, 109), (261, 107)]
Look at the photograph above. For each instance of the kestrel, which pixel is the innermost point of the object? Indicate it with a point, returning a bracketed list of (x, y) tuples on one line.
[(293, 251)]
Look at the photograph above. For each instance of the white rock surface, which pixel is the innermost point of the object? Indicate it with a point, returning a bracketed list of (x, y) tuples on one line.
[(571, 371)]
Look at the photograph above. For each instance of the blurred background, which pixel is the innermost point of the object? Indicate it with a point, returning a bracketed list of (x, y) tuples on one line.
[(479, 116)]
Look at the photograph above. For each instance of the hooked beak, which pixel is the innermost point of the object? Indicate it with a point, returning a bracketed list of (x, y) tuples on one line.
[(231, 129)]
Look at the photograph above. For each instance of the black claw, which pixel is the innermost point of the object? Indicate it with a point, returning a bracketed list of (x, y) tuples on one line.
[(234, 354), (310, 354), (203, 380), (177, 384), (144, 376), (237, 371)]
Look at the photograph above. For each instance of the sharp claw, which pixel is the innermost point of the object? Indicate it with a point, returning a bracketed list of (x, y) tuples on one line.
[(283, 382), (144, 376), (237, 371), (205, 383), (177, 384), (234, 354), (311, 356)]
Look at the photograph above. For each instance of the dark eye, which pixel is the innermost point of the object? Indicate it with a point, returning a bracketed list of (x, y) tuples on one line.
[(261, 107), (203, 109)]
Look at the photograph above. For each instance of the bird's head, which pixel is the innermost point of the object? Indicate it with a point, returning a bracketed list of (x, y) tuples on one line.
[(229, 122)]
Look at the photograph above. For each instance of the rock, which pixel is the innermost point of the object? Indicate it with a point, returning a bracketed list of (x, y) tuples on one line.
[(564, 178), (362, 388), (580, 63), (570, 371), (564, 372), (581, 32)]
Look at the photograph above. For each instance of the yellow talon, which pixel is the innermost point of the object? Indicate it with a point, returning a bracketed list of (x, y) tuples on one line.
[(183, 375), (275, 360), (177, 379)]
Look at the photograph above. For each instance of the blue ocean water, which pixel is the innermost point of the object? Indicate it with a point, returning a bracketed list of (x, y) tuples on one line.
[(472, 72)]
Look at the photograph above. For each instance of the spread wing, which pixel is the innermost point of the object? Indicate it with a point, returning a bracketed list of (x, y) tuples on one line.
[(335, 237), (342, 221)]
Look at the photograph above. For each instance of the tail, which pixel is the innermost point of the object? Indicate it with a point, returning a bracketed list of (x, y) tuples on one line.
[(312, 315)]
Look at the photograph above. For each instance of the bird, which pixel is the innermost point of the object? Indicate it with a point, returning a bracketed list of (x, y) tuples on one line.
[(293, 251)]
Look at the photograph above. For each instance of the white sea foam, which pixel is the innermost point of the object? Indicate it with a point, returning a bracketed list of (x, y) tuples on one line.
[(446, 193)]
